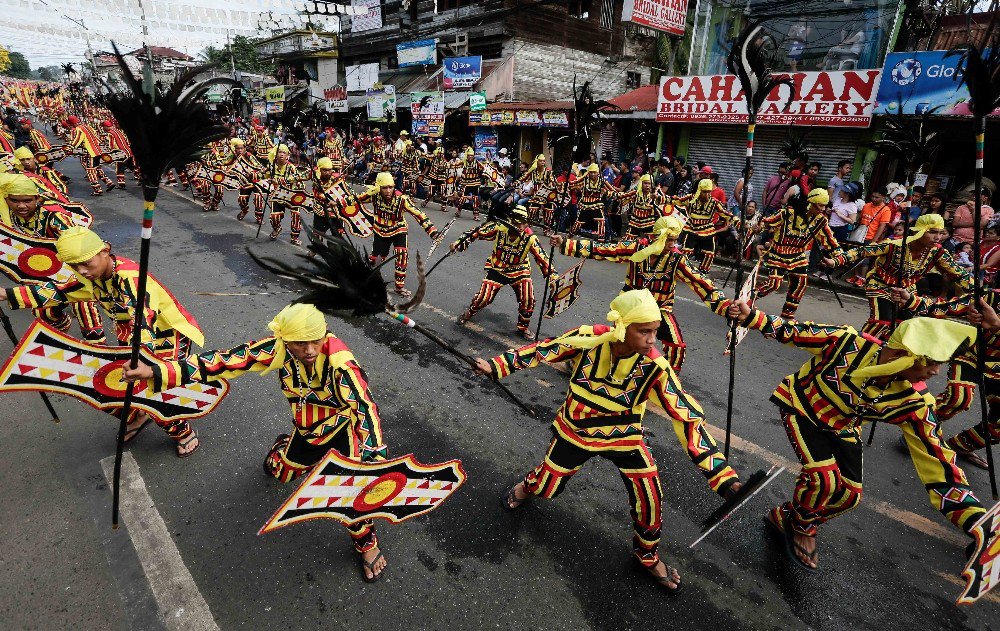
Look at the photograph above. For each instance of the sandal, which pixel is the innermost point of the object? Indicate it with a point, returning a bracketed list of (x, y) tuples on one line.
[(974, 459), (185, 442), (462, 319), (791, 547), (131, 433), (665, 580), (371, 567), (509, 501)]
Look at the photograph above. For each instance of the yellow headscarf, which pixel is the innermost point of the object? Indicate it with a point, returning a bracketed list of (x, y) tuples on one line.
[(273, 153), (78, 245), (630, 307), (924, 223), (664, 228), (22, 153), (13, 184), (706, 185), (295, 323), (593, 168), (237, 142), (921, 338), (323, 163)]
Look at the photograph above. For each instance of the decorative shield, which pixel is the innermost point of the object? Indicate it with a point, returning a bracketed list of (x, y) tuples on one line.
[(9, 162), (81, 214), (356, 221), (748, 293), (440, 239), (225, 180), (292, 198), (563, 292), (55, 154), (30, 260), (493, 175), (982, 572), (350, 491), (116, 155), (47, 360)]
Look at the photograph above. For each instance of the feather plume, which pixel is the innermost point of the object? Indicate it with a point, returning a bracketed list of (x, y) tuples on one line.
[(980, 67), (167, 128), (340, 278), (907, 138), (751, 58)]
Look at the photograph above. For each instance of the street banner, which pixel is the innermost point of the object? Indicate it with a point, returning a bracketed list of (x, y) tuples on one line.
[(47, 360), (336, 98), (427, 109), (382, 104), (462, 72), (350, 491), (924, 82), (274, 94), (420, 53), (669, 16), (370, 20), (477, 101), (485, 143), (827, 98), (362, 77), (555, 118)]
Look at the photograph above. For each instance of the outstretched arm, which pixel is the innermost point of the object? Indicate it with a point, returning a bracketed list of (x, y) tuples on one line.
[(805, 335), (548, 351)]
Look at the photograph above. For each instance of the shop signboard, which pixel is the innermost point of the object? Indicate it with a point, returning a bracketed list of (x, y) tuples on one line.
[(419, 53), (528, 118), (502, 117), (336, 98), (462, 72), (361, 77), (477, 101), (485, 144), (368, 21), (275, 108), (275, 94), (669, 16), (924, 82), (825, 98), (382, 104), (427, 109), (555, 118)]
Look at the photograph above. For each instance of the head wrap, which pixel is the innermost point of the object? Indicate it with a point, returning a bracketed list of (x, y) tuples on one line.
[(78, 245), (705, 185), (665, 228), (72, 121), (237, 142), (921, 338), (519, 213), (593, 168), (384, 179), (17, 184), (107, 124), (404, 133), (469, 152), (324, 163), (295, 323), (439, 151), (819, 196), (630, 307), (22, 153), (930, 221)]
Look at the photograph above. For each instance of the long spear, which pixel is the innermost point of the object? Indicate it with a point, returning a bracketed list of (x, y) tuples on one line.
[(750, 59), (167, 129), (981, 73)]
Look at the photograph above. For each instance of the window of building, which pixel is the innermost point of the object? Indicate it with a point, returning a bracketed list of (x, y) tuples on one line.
[(632, 80), (608, 14), (580, 9)]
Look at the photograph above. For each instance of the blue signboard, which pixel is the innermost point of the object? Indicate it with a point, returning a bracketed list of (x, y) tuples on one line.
[(486, 144), (922, 82), (462, 72), (421, 53)]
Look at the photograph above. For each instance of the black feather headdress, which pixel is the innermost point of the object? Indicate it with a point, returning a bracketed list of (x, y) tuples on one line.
[(909, 139), (340, 278), (166, 128), (751, 58), (981, 68)]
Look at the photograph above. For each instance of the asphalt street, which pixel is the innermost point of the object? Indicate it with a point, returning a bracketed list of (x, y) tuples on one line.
[(893, 563)]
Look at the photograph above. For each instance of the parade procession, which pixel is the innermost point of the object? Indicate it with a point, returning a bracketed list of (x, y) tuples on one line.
[(496, 253)]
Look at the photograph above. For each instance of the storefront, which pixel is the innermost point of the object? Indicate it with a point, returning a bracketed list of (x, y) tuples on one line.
[(529, 129)]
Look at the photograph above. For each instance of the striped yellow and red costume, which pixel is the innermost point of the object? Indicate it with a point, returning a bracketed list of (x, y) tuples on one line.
[(291, 177), (646, 208), (787, 253), (705, 219), (509, 264), (259, 142), (410, 166), (594, 190), (472, 177), (168, 329), (602, 416), (541, 206), (117, 140), (332, 408), (438, 174), (389, 225), (85, 140), (823, 408), (660, 275), (333, 147), (963, 373)]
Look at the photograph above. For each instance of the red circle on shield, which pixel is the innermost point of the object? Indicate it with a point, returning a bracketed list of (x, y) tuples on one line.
[(218, 177), (108, 381), (298, 199), (380, 491), (350, 210), (38, 262), (106, 158)]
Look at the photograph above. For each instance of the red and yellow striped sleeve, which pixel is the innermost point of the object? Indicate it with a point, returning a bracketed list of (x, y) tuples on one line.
[(548, 351)]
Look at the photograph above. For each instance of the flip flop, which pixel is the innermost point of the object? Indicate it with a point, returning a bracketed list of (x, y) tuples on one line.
[(371, 566), (135, 431), (509, 501), (663, 581), (974, 459), (791, 547), (186, 442)]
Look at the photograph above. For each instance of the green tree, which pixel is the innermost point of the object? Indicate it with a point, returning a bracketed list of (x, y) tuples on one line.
[(19, 67), (244, 55), (48, 73)]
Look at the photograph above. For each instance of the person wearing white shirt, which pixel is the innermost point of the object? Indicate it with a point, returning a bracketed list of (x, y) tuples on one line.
[(845, 211), (503, 160)]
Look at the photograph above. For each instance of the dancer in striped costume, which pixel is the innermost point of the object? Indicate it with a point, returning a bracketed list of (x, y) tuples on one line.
[(46, 180), (115, 139), (648, 204), (509, 265), (614, 373), (332, 407), (86, 142), (851, 379), (438, 172), (594, 192), (659, 267), (472, 175), (541, 207), (707, 217)]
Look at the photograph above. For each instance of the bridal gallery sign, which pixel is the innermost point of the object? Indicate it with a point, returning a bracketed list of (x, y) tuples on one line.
[(829, 99)]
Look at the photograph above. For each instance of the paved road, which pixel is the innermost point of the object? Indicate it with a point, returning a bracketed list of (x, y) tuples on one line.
[(893, 563)]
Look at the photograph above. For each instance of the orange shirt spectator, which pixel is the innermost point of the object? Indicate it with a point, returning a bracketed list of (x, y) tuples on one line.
[(874, 214)]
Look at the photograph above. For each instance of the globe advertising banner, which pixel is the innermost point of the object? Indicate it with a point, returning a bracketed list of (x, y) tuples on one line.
[(925, 82)]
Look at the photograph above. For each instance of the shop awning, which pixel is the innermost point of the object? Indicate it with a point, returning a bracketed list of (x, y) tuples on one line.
[(636, 104)]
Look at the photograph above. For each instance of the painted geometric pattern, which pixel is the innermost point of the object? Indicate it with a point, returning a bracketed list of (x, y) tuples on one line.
[(48, 360), (563, 292), (26, 259), (350, 491), (982, 573)]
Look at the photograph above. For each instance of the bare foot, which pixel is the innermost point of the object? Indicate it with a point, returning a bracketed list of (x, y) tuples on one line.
[(372, 570)]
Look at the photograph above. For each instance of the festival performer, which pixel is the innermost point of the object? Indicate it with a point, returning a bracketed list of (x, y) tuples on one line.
[(409, 160), (168, 329), (38, 143), (648, 203), (615, 373), (508, 265), (247, 169), (796, 229), (326, 214), (332, 407), (438, 172), (924, 254), (260, 141), (656, 264), (472, 176), (389, 224), (86, 142), (333, 146), (963, 373), (594, 190), (851, 379), (115, 139), (540, 178), (45, 179), (24, 210), (284, 174), (707, 217)]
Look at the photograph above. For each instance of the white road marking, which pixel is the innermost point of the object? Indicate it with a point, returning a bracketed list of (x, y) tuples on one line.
[(180, 603)]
